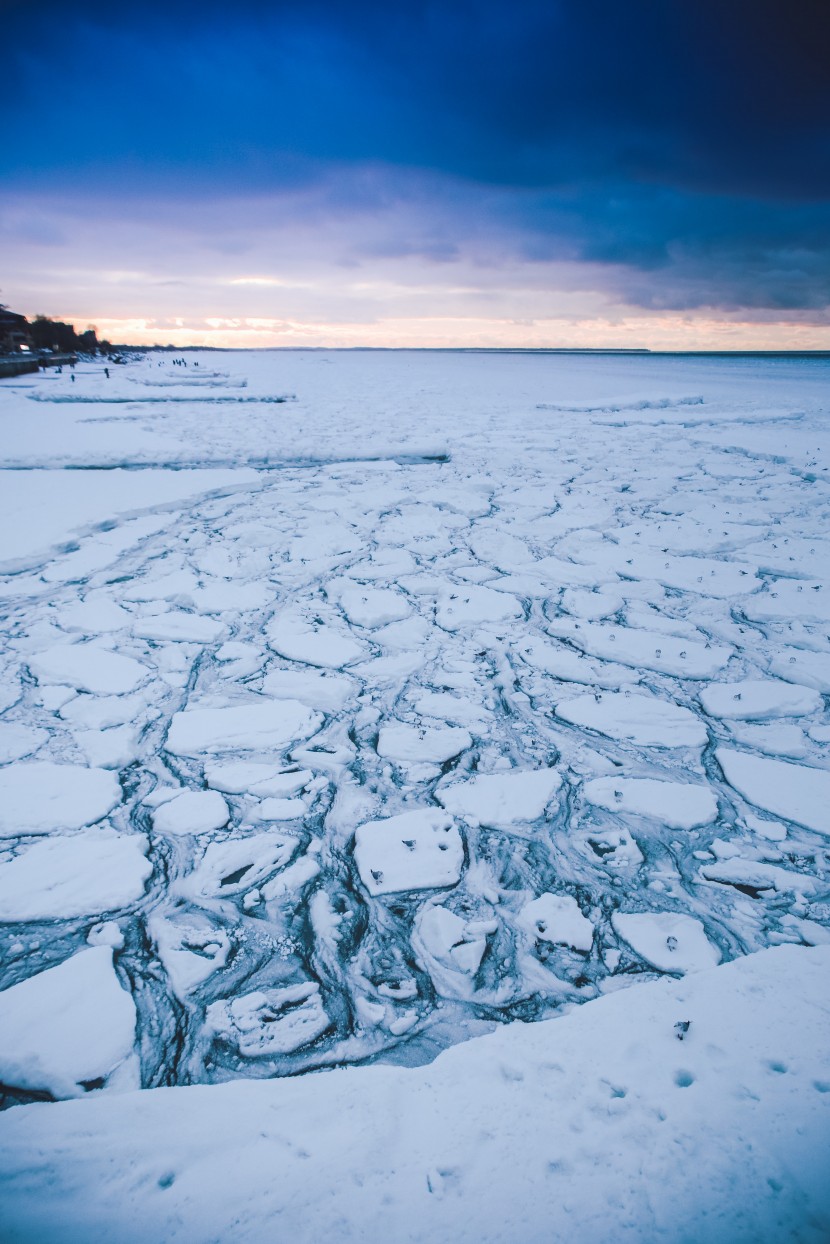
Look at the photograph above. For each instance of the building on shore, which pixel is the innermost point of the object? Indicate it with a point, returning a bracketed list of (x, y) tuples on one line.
[(14, 332)]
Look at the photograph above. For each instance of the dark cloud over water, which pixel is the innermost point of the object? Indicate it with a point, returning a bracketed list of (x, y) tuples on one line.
[(686, 147)]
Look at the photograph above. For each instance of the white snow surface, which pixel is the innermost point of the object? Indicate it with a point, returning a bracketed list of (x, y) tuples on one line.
[(797, 792), (39, 796), (502, 799), (81, 874), (426, 578), (70, 1024), (418, 850), (600, 1125), (240, 727), (676, 804)]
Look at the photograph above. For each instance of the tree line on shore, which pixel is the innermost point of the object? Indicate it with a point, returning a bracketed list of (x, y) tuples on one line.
[(48, 334)]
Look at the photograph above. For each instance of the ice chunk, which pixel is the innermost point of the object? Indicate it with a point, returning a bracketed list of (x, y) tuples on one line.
[(757, 875), (679, 805), (80, 874), (312, 642), (776, 739), (450, 940), (474, 606), (109, 749), (316, 688), (270, 1022), (570, 666), (755, 699), (556, 918), (39, 796), (238, 777), (796, 792), (178, 625), (635, 718), (500, 800), (422, 744), (97, 615), (190, 949), (17, 741), (228, 868), (88, 667), (802, 665), (420, 850), (643, 649), (69, 1028), (192, 812), (278, 810), (783, 599), (669, 941), (373, 607), (262, 723)]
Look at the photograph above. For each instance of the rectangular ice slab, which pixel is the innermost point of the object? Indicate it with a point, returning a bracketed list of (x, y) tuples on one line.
[(87, 667), (756, 699), (668, 940), (680, 805), (419, 850), (797, 792), (642, 719), (240, 727)]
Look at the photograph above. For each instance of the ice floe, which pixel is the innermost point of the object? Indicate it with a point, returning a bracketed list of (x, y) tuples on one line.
[(39, 796), (81, 874), (69, 1029), (419, 850)]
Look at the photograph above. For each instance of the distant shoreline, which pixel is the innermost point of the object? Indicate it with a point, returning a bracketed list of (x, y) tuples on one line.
[(636, 352)]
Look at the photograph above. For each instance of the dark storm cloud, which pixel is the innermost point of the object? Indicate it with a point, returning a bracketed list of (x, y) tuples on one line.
[(685, 145)]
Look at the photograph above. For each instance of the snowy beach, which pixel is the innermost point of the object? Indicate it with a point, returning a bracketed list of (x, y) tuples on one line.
[(458, 715)]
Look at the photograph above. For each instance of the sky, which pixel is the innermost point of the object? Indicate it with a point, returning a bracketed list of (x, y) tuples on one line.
[(642, 173)]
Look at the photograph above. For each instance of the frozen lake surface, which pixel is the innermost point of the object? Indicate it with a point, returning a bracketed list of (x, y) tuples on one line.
[(356, 704)]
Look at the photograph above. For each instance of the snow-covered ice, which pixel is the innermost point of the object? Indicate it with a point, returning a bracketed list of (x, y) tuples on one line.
[(242, 727), (191, 812), (797, 792), (39, 796), (676, 804), (502, 799), (692, 1108), (419, 850), (399, 728), (669, 941), (81, 874), (66, 1028)]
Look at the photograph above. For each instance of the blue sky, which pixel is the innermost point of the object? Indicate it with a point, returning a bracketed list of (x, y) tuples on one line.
[(639, 173)]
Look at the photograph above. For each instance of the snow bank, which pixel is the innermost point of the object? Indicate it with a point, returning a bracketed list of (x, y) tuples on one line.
[(694, 1109)]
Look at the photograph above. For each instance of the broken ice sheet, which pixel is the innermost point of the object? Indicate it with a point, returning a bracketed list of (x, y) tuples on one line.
[(526, 640)]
